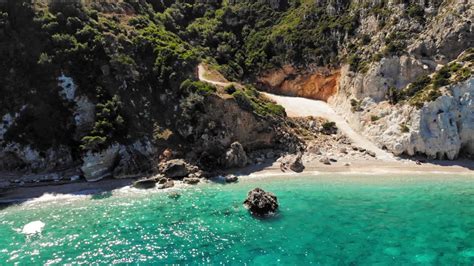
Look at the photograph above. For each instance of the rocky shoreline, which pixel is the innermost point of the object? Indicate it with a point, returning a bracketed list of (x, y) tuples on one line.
[(20, 192)]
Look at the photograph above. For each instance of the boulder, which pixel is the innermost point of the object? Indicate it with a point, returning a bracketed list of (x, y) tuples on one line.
[(371, 153), (164, 183), (325, 160), (296, 163), (99, 165), (231, 178), (261, 203), (235, 156), (175, 169), (145, 183), (191, 180)]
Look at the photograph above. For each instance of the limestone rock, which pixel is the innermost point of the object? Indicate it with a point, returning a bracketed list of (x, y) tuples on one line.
[(325, 160), (231, 178), (191, 180), (236, 156), (99, 165), (165, 183), (261, 203), (146, 183), (296, 163), (175, 169)]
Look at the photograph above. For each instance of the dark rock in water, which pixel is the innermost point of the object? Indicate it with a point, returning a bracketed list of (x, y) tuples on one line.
[(175, 169), (145, 183), (191, 180), (261, 203), (296, 163), (231, 178)]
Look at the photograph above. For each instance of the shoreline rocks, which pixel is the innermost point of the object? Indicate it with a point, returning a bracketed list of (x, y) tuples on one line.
[(261, 203), (296, 163), (98, 166), (236, 156), (175, 169)]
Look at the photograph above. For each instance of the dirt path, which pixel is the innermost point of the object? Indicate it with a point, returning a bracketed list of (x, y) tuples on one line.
[(301, 107)]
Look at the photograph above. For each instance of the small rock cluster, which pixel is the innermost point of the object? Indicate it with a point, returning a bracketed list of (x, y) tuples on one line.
[(170, 171)]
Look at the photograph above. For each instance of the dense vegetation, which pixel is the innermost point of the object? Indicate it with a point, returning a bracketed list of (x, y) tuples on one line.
[(135, 59)]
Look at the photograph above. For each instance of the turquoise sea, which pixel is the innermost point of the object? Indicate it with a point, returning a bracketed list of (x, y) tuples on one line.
[(323, 220)]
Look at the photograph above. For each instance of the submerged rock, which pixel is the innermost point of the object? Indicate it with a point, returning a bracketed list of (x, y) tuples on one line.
[(260, 202)]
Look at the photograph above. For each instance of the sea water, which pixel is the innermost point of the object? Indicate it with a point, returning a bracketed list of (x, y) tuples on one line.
[(322, 219)]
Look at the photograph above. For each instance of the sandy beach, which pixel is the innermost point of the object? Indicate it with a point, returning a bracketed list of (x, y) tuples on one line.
[(267, 169)]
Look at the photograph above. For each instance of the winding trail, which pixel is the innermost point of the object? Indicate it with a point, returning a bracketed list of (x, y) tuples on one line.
[(301, 107)]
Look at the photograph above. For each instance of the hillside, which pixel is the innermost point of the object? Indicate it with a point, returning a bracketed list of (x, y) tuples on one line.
[(111, 88)]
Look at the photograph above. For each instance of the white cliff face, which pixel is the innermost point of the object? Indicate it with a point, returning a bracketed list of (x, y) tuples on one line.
[(440, 129), (5, 123), (394, 71), (84, 110), (68, 87)]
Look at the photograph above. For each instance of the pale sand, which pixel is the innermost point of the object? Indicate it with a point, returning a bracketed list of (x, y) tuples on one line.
[(370, 167)]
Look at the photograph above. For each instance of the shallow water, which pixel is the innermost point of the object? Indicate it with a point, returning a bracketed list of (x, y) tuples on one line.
[(326, 220)]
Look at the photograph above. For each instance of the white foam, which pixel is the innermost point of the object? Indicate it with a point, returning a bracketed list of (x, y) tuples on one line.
[(33, 228)]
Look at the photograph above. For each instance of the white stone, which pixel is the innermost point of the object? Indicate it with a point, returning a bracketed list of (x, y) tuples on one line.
[(68, 87)]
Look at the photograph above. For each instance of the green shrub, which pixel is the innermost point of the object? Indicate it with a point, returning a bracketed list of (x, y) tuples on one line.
[(463, 74), (329, 126), (418, 85), (199, 87), (243, 100), (249, 99), (230, 89), (374, 118), (394, 95), (416, 12), (404, 128), (109, 126), (355, 106), (441, 78)]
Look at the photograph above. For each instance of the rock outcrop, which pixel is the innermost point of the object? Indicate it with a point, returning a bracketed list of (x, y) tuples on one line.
[(261, 203), (175, 169), (146, 183), (441, 129), (296, 163), (318, 84), (235, 156), (99, 165)]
